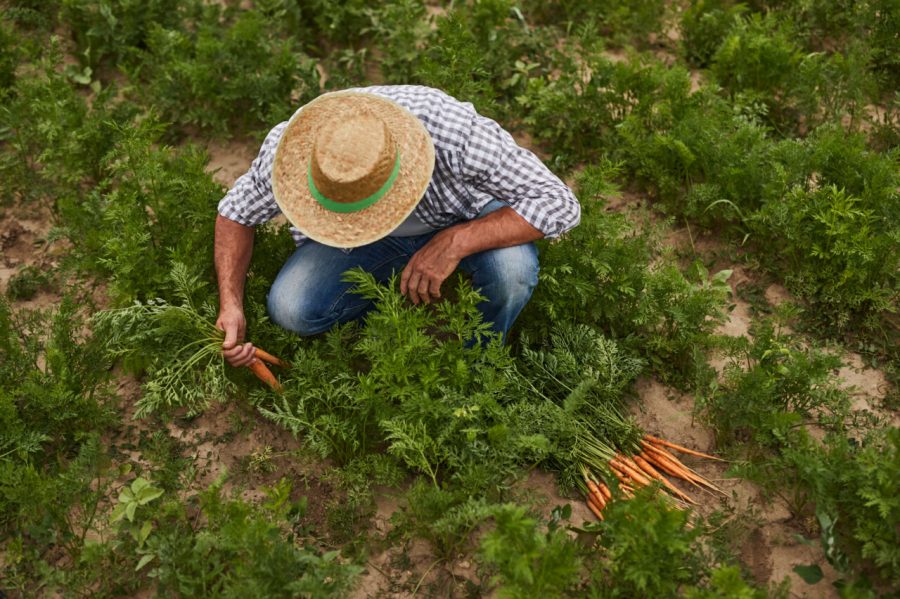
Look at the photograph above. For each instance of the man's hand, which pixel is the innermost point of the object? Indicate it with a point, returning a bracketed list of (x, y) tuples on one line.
[(429, 267), (232, 321)]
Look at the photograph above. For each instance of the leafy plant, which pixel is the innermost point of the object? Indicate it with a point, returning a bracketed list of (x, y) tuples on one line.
[(529, 562), (117, 30), (705, 25), (53, 140), (832, 250), (153, 206), (177, 344), (226, 78), (648, 548), (242, 549), (601, 276)]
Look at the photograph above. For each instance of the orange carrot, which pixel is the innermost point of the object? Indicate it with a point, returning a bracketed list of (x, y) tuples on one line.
[(658, 457), (646, 467), (620, 474), (664, 443), (263, 373), (267, 357), (668, 466), (631, 472), (604, 490), (692, 476), (594, 490), (594, 508)]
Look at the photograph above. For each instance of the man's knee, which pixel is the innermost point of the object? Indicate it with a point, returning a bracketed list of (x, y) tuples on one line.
[(515, 274), (522, 275), (290, 308)]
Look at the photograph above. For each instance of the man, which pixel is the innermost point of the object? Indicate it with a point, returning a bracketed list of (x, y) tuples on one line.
[(388, 178)]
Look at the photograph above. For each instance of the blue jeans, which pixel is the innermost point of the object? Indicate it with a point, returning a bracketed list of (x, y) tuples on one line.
[(308, 296)]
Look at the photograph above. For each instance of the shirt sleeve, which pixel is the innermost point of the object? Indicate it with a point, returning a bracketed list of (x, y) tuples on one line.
[(495, 167), (251, 201)]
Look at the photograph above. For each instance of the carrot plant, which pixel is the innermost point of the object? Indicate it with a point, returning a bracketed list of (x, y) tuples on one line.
[(774, 393), (55, 401), (602, 276), (230, 77), (177, 344), (116, 31)]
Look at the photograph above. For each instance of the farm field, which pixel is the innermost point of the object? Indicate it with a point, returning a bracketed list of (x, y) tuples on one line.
[(732, 288)]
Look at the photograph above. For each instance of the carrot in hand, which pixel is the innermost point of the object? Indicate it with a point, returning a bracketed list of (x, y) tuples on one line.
[(263, 373), (267, 357)]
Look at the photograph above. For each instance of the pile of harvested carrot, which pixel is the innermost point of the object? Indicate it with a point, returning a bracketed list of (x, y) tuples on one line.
[(649, 463), (262, 372)]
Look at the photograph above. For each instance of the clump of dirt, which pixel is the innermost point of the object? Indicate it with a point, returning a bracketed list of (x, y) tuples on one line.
[(23, 244)]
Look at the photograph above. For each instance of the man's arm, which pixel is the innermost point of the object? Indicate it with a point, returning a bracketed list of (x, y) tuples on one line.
[(430, 266), (233, 248)]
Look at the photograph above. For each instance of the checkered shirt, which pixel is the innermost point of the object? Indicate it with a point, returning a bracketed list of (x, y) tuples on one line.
[(476, 161)]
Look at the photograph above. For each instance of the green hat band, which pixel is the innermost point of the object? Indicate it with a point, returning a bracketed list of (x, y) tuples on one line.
[(359, 204)]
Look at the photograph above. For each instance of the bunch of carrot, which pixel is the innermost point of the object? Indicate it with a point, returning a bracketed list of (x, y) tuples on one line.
[(262, 372), (650, 461)]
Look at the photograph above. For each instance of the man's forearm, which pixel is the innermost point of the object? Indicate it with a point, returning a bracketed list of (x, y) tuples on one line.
[(499, 229), (233, 248)]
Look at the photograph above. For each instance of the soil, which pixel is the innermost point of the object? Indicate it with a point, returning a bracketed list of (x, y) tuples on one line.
[(23, 243)]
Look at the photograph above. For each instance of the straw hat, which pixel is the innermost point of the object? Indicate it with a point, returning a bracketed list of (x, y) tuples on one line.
[(351, 167)]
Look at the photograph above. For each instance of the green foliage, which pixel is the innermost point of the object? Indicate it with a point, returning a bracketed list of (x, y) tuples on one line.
[(602, 276), (704, 26), (178, 345), (56, 514), (579, 109), (873, 508), (241, 550), (482, 54), (726, 583), (52, 140), (625, 21), (529, 562), (833, 250), (117, 30), (52, 392), (773, 384), (401, 30), (154, 206), (226, 78), (773, 392), (649, 550), (829, 24), (760, 63), (38, 15), (431, 385), (10, 54), (587, 375), (27, 282), (444, 518)]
